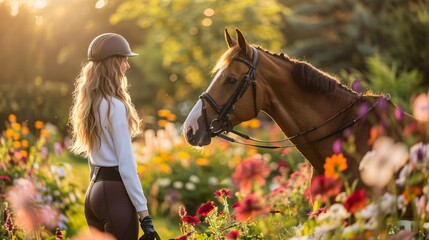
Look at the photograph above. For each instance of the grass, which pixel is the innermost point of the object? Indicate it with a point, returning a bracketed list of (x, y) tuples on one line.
[(166, 227)]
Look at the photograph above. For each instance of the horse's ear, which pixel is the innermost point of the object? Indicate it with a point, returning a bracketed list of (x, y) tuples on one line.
[(231, 42), (241, 41)]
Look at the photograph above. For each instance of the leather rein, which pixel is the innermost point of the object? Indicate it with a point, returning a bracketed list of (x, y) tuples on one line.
[(220, 125)]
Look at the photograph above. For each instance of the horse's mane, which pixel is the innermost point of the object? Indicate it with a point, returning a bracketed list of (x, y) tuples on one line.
[(304, 73)]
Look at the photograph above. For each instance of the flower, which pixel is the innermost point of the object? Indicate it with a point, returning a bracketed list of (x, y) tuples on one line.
[(356, 201), (378, 166), (324, 188), (12, 118), (232, 234), (249, 170), (316, 213), (39, 124), (334, 165), (205, 208), (336, 146), (420, 107), (223, 193), (182, 211), (250, 207), (192, 220), (58, 235)]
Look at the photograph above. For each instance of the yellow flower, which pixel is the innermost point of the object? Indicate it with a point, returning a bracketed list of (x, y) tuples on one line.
[(202, 162), (183, 155), (163, 112), (24, 143), (252, 152), (334, 165), (245, 124), (16, 144), (39, 124), (44, 133), (165, 168), (12, 118)]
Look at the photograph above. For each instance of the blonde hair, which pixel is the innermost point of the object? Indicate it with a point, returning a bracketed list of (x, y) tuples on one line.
[(96, 81)]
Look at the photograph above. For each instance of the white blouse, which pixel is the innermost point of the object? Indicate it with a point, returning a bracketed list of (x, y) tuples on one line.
[(116, 150)]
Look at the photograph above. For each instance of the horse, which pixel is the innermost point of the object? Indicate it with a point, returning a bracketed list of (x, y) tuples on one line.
[(311, 107)]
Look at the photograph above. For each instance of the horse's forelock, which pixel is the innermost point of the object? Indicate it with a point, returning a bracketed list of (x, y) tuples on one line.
[(225, 59), (308, 76)]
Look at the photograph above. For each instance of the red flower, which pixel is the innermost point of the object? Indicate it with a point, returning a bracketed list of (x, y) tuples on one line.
[(250, 207), (191, 220), (249, 170), (235, 205), (205, 208), (356, 201), (317, 212), (324, 187), (232, 234), (224, 192)]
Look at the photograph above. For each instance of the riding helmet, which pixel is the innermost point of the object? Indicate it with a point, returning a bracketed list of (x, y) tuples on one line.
[(107, 45)]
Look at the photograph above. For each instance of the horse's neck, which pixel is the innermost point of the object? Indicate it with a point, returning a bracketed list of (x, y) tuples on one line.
[(296, 110)]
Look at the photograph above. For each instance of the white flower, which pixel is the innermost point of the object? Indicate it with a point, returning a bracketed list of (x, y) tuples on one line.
[(419, 154), (190, 186), (378, 166), (368, 212), (387, 203), (334, 216), (178, 185), (213, 181), (194, 179), (164, 182)]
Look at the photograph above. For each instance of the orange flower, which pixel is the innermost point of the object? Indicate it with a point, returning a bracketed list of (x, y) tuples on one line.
[(16, 126), (24, 143), (39, 124), (25, 131), (171, 117), (16, 144), (12, 118), (374, 133), (202, 162), (163, 112), (162, 123), (23, 153), (9, 133), (334, 165), (44, 133)]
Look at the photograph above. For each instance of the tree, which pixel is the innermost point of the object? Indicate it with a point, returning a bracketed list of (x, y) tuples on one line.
[(185, 38)]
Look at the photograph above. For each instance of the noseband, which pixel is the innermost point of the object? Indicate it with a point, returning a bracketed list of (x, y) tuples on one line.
[(221, 123)]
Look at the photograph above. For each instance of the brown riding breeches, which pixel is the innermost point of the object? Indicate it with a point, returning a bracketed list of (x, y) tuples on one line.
[(108, 207)]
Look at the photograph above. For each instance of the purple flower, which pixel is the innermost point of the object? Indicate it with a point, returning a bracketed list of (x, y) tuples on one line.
[(357, 86), (399, 113), (336, 146)]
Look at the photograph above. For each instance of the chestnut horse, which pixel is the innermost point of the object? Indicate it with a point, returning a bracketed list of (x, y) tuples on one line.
[(312, 108)]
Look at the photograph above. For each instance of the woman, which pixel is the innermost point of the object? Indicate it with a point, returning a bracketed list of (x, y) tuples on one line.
[(103, 120)]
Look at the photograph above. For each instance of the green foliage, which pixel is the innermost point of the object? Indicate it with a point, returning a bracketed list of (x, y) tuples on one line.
[(185, 38)]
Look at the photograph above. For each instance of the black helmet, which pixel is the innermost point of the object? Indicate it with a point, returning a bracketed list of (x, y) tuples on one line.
[(107, 45)]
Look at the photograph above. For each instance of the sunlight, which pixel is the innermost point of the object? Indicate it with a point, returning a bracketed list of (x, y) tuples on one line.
[(15, 5)]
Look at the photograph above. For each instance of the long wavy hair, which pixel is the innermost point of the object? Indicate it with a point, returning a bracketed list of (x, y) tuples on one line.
[(98, 80)]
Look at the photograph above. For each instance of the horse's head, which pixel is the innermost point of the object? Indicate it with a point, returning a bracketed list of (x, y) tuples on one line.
[(231, 97)]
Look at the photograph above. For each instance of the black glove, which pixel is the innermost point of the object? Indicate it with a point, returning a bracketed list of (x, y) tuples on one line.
[(148, 229)]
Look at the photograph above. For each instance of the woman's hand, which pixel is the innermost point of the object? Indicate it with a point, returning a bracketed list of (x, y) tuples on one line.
[(148, 229)]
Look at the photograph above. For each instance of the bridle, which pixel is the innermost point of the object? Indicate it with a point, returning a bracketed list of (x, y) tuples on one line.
[(221, 124)]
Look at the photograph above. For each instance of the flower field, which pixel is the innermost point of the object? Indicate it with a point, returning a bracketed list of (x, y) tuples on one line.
[(225, 191)]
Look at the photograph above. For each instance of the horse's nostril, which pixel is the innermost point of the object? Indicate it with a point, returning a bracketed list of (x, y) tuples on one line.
[(190, 136)]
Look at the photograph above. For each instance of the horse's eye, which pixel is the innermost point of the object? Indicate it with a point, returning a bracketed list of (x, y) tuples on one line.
[(230, 80)]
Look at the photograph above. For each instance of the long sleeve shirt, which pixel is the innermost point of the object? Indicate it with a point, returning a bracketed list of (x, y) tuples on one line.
[(116, 150)]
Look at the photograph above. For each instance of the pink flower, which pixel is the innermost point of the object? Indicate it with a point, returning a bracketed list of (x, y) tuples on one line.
[(205, 208), (317, 212), (250, 170), (324, 188), (421, 107), (356, 201), (249, 208), (223, 193), (182, 211), (232, 234)]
